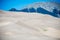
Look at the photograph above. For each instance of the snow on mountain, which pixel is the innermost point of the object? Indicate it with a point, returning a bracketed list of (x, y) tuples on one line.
[(46, 5)]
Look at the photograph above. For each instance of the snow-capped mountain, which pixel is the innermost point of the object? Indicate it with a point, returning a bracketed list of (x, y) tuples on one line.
[(49, 8)]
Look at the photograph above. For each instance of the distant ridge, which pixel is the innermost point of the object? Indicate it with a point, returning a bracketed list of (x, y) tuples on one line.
[(52, 9)]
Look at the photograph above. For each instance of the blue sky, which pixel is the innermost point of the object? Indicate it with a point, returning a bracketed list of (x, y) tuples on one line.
[(18, 4)]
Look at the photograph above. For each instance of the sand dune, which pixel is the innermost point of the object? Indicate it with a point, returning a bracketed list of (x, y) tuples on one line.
[(28, 26)]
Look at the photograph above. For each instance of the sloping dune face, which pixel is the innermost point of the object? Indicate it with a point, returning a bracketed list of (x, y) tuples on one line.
[(28, 26)]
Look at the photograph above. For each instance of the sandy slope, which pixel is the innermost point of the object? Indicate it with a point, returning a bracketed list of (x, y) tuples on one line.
[(28, 26)]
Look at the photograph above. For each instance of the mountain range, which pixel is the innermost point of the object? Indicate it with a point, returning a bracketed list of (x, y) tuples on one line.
[(52, 9)]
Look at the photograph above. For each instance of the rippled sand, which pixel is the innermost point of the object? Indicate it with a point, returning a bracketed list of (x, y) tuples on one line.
[(28, 26)]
